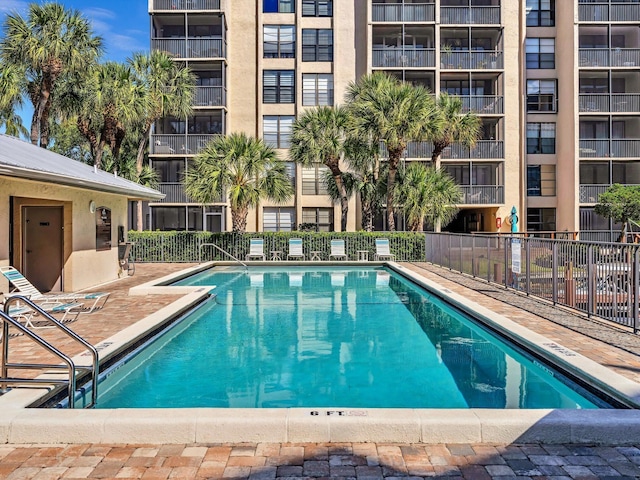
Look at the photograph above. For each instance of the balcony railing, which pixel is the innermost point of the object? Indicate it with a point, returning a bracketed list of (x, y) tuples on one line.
[(210, 96), (591, 193), (470, 15), (483, 104), (604, 12), (178, 145), (483, 149), (616, 148), (416, 12), (190, 47), (174, 193), (404, 57), (172, 5), (614, 103), (609, 57), (468, 60), (482, 194)]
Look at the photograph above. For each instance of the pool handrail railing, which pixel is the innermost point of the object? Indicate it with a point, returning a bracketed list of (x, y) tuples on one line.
[(222, 251)]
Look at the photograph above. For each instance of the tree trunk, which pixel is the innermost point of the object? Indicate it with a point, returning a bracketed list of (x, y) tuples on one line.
[(141, 146), (394, 160), (44, 124), (333, 166), (99, 151), (367, 216), (239, 218), (139, 223), (35, 123), (84, 127), (44, 107)]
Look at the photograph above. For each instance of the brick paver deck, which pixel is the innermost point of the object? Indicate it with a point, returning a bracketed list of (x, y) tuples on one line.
[(592, 338)]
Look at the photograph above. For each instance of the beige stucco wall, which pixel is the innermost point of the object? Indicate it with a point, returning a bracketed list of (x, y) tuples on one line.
[(83, 265)]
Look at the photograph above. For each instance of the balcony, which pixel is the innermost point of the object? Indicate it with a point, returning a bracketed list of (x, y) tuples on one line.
[(404, 57), (482, 194), (190, 47), (471, 60), (609, 57), (470, 15), (173, 5), (482, 104), (614, 148), (210, 96), (178, 145), (419, 150), (614, 103), (604, 12), (416, 12)]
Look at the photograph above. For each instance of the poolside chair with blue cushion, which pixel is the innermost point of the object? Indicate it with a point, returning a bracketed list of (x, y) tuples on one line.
[(382, 250), (89, 301), (24, 313), (337, 250), (256, 249), (295, 248)]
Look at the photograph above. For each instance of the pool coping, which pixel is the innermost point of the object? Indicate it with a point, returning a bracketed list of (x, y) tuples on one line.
[(21, 425)]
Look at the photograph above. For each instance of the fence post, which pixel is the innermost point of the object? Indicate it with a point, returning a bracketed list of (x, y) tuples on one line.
[(506, 263), (591, 282), (554, 273), (636, 289), (527, 257)]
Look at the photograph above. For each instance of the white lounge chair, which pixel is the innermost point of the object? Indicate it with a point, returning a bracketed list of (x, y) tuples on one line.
[(256, 249), (382, 250), (295, 248), (338, 250), (22, 312), (90, 301)]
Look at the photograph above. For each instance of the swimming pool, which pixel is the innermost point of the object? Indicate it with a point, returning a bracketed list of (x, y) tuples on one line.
[(325, 337)]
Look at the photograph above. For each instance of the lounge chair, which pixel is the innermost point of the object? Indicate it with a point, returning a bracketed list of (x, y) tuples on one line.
[(382, 250), (295, 248), (90, 301), (256, 249), (24, 313), (338, 250)]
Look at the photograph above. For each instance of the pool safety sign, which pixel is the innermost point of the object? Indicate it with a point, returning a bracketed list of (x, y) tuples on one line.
[(516, 256)]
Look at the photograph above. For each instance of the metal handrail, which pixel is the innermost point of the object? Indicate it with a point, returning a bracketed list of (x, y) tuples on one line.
[(221, 250), (4, 354)]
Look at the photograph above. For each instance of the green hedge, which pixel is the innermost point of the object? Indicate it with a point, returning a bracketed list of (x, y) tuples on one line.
[(185, 246)]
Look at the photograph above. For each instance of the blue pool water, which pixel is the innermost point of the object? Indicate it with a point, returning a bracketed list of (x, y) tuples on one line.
[(320, 337)]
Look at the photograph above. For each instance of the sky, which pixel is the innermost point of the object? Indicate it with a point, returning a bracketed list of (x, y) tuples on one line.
[(122, 24)]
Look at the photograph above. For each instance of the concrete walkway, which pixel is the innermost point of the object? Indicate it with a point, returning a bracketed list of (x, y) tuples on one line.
[(592, 338)]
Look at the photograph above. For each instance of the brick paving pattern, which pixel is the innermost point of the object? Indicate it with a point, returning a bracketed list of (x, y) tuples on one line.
[(592, 338)]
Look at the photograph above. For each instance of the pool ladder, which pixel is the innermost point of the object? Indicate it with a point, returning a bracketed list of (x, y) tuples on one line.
[(67, 363), (222, 250)]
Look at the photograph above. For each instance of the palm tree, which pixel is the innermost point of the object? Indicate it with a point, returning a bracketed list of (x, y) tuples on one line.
[(319, 136), (10, 100), (243, 167), (169, 89), (394, 113), (454, 127), (50, 43), (111, 103), (427, 192)]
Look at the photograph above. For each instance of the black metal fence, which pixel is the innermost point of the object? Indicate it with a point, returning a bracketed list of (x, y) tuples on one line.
[(597, 278)]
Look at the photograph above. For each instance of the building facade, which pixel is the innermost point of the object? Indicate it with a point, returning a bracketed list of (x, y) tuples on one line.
[(555, 83)]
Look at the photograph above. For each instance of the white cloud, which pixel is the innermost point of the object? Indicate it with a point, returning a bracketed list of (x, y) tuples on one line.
[(10, 6), (117, 41)]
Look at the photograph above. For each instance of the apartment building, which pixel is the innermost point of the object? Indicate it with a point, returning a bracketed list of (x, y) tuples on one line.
[(555, 83)]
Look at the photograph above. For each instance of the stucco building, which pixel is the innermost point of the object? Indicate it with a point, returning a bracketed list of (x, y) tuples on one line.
[(554, 82)]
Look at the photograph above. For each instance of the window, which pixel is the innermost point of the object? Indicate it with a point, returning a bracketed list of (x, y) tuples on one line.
[(169, 171), (278, 86), (322, 218), (313, 180), (276, 219), (277, 130), (541, 180), (169, 218), (541, 13), (317, 89), (279, 41), (540, 52), (290, 170), (317, 45), (541, 138), (278, 6), (541, 219), (317, 8), (541, 95)]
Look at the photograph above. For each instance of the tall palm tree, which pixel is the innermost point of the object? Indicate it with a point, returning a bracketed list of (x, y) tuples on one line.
[(394, 113), (10, 100), (169, 90), (454, 127), (49, 43), (319, 136), (111, 104), (243, 167), (427, 192)]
